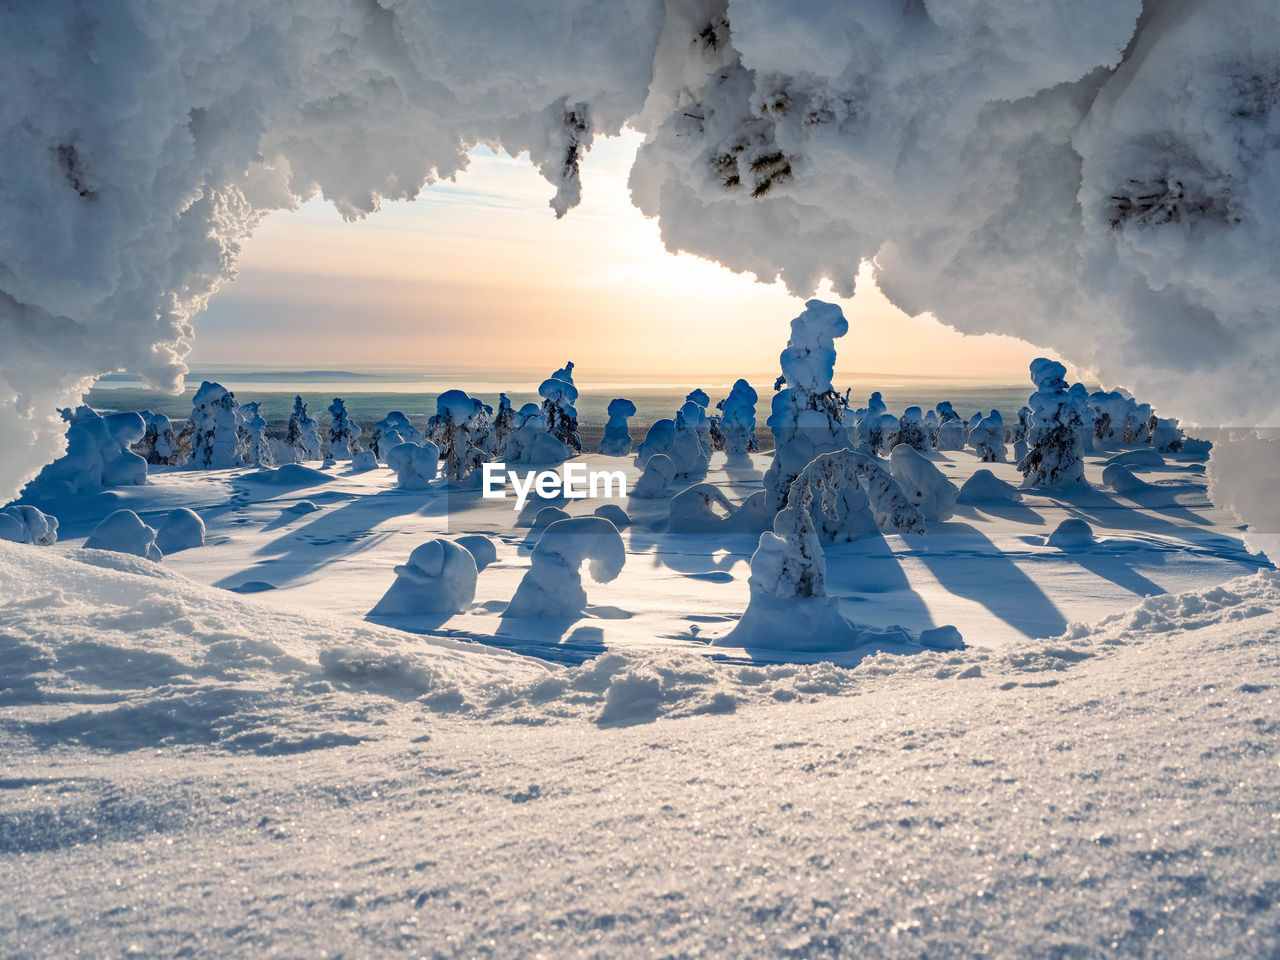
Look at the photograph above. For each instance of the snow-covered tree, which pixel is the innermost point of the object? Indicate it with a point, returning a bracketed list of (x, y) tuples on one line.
[(987, 438), (1080, 393), (552, 587), (1138, 423), (1056, 456), (98, 455), (344, 433), (461, 430), (655, 482), (530, 442), (1166, 435), (438, 578), (303, 434), (558, 397), (415, 464), (391, 430), (911, 430), (616, 441), (789, 605), (806, 416), (213, 429), (504, 424), (691, 441), (159, 443), (26, 524), (737, 423), (923, 483), (253, 432)]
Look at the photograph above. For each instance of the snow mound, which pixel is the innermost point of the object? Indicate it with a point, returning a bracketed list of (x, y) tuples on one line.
[(364, 461), (552, 587), (1121, 480), (480, 547), (289, 475), (655, 482), (923, 483), (614, 514), (415, 464), (124, 532), (1071, 534), (302, 507), (182, 529), (1137, 458), (438, 578), (26, 524), (985, 487)]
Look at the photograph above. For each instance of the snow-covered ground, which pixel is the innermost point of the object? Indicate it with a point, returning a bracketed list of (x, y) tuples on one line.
[(192, 771), (988, 570)]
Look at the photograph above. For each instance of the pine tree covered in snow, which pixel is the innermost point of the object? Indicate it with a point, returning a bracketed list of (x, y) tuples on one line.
[(807, 414), (214, 429), (1056, 456), (911, 430), (987, 438), (396, 429), (303, 434), (616, 441), (344, 433), (504, 424), (558, 397), (738, 420), (462, 432), (253, 432), (159, 443)]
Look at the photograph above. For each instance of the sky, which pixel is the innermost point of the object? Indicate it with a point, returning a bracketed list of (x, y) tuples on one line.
[(479, 273)]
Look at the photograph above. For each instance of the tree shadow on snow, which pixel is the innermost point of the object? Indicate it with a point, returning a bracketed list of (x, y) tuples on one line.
[(976, 569)]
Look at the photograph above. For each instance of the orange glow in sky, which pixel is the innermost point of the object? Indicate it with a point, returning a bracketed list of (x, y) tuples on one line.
[(479, 273)]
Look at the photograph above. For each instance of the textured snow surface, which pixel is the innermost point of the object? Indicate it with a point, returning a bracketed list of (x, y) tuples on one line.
[(191, 772)]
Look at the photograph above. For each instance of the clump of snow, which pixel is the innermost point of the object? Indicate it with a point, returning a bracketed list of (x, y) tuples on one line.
[(98, 455), (344, 433), (738, 420), (1071, 534), (659, 439), (616, 441), (530, 441), (438, 578), (1141, 457), (552, 587), (124, 532), (988, 437), (364, 461), (690, 441), (289, 475), (302, 507), (614, 514), (923, 483), (1056, 457), (545, 517), (182, 529), (303, 434), (415, 464), (480, 547), (985, 487), (694, 510), (807, 414), (1120, 479), (27, 524), (390, 431), (655, 482)]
